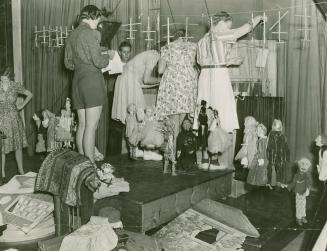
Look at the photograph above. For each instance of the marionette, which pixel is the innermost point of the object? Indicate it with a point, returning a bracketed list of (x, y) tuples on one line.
[(168, 147), (132, 130), (301, 185), (249, 146), (257, 175), (45, 123), (218, 142), (279, 171), (186, 146), (321, 142), (105, 173)]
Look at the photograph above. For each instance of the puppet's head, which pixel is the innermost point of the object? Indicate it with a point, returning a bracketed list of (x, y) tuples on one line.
[(321, 140), (140, 115), (261, 131), (250, 124), (149, 112), (304, 165), (131, 109), (68, 104), (277, 125), (105, 172), (187, 125)]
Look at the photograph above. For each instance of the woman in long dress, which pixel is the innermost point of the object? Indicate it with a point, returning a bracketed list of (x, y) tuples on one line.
[(214, 85), (137, 74), (178, 86), (11, 123)]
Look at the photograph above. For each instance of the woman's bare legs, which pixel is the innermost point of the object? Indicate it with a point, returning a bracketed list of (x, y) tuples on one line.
[(92, 117), (80, 130), (19, 160)]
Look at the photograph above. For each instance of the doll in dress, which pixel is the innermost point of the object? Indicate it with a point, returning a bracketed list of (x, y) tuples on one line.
[(321, 142), (186, 146), (279, 172), (132, 130), (218, 142), (257, 175), (249, 146), (301, 185)]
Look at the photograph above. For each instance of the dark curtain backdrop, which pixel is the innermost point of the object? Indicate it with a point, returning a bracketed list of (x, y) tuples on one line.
[(306, 81), (43, 69), (6, 47)]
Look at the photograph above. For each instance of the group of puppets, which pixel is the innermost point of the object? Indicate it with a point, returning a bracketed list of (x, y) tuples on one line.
[(267, 159), (54, 131), (145, 131)]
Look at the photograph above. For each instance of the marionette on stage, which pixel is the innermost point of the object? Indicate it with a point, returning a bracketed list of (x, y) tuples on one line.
[(218, 142), (249, 146), (186, 146), (321, 142), (279, 172), (203, 126), (152, 135), (45, 123), (257, 175), (132, 130), (301, 185), (65, 126)]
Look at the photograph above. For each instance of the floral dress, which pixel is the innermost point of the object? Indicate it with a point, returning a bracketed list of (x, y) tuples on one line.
[(178, 87), (11, 123)]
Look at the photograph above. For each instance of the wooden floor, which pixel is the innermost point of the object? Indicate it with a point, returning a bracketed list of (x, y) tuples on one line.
[(271, 212)]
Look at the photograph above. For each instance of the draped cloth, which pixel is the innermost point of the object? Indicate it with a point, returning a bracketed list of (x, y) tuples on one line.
[(61, 174)]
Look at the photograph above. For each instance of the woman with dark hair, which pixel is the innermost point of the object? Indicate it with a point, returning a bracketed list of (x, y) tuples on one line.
[(178, 86), (11, 123), (83, 55)]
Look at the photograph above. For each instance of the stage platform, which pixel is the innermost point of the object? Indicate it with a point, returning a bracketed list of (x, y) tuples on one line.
[(156, 198)]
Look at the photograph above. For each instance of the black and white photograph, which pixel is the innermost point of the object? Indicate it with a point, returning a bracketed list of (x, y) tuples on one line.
[(163, 125)]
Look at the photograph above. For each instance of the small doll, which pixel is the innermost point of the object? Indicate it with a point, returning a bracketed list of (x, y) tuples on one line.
[(218, 142), (168, 146), (321, 142), (132, 130), (278, 156), (301, 185), (186, 146), (249, 146), (45, 123), (40, 145), (203, 126), (105, 173), (152, 135), (257, 175)]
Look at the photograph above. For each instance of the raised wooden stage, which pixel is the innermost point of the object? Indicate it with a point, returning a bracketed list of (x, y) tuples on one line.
[(154, 198)]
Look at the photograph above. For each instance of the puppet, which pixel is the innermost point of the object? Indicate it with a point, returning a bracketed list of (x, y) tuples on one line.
[(321, 142), (257, 175), (249, 146), (301, 185), (279, 172), (132, 130), (186, 146), (218, 142)]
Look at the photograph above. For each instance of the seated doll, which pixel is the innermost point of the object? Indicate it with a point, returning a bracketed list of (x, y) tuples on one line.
[(249, 146), (218, 142), (186, 146), (257, 175), (301, 185)]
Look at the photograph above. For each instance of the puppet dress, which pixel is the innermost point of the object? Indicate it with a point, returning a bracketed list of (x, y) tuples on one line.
[(128, 87), (214, 85), (178, 87), (11, 124), (257, 175), (278, 157)]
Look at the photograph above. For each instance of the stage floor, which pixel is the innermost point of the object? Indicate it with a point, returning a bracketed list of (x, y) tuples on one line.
[(155, 198)]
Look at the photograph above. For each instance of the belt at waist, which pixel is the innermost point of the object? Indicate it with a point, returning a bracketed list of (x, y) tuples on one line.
[(212, 66)]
